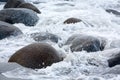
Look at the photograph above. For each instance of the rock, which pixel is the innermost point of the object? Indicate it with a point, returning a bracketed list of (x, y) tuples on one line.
[(114, 61), (113, 12), (36, 55), (81, 42), (44, 36), (13, 3), (29, 6), (7, 30), (19, 15), (3, 0), (72, 20)]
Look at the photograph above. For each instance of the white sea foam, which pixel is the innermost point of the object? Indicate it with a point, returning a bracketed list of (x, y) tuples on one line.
[(77, 65)]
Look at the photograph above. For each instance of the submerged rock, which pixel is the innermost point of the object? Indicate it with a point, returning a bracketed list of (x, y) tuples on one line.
[(19, 15), (114, 61), (72, 20), (13, 3), (7, 30), (29, 6), (3, 0), (81, 42), (36, 55), (44, 36), (115, 12)]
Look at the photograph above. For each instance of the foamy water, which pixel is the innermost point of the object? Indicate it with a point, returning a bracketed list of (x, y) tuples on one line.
[(76, 65)]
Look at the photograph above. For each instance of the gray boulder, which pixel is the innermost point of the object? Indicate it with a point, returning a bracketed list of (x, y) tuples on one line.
[(44, 36), (13, 3), (19, 15), (81, 42), (7, 30), (115, 60)]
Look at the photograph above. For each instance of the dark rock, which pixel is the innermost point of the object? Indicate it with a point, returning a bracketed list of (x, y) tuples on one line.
[(29, 6), (3, 0), (84, 42), (7, 30), (114, 61), (19, 15), (13, 3), (113, 12), (44, 36), (37, 55), (72, 20)]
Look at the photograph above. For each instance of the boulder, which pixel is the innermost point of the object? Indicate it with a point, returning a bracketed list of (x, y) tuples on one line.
[(44, 36), (29, 6), (36, 55), (72, 21), (114, 60), (81, 42), (7, 30), (13, 3), (19, 15)]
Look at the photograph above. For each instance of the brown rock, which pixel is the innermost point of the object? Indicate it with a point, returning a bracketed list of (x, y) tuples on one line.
[(13, 3), (72, 20), (36, 55), (29, 6)]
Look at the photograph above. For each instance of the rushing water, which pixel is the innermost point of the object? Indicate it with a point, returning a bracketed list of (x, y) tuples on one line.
[(76, 65)]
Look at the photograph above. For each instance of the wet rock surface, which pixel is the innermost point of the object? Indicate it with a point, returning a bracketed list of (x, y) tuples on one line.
[(7, 30), (81, 42), (36, 55), (13, 3), (19, 15), (44, 36)]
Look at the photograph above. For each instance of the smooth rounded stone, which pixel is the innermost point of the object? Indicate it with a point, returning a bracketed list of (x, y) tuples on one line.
[(29, 6), (7, 30), (36, 55), (13, 3), (113, 12), (44, 36), (114, 60), (19, 15), (3, 0), (72, 21), (81, 42)]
